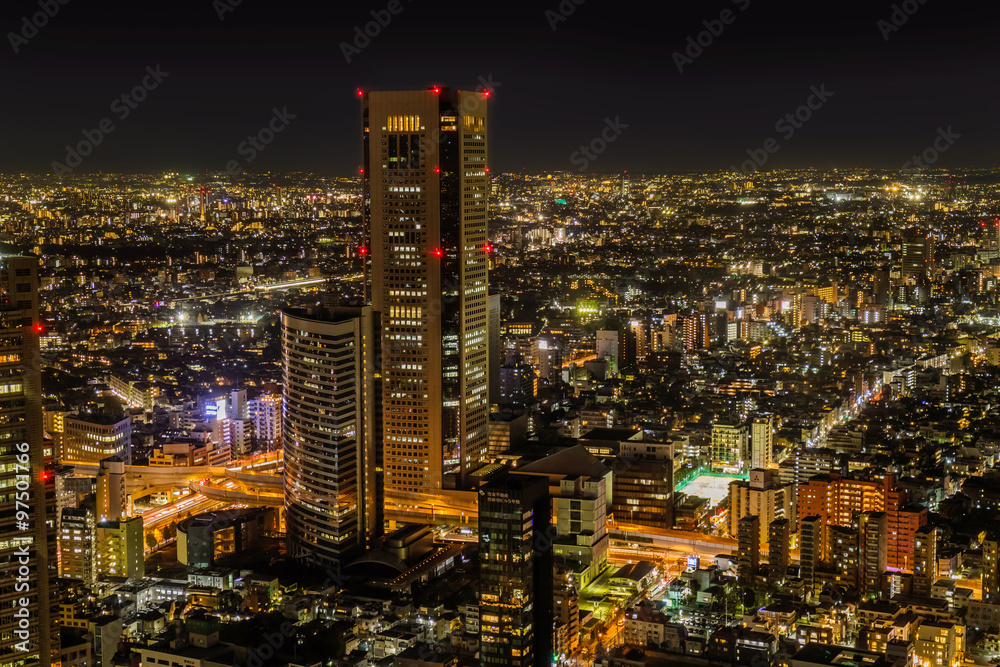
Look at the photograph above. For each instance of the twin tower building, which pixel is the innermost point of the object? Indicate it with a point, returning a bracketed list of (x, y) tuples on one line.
[(392, 397)]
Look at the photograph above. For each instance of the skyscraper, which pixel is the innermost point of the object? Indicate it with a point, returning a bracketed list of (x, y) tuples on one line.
[(515, 561), (778, 550), (425, 205), (330, 415), (27, 530)]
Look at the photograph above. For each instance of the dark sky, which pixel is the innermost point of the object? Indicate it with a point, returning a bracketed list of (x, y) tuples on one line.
[(554, 88)]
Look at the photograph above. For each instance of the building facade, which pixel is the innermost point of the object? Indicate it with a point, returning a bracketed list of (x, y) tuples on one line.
[(425, 206)]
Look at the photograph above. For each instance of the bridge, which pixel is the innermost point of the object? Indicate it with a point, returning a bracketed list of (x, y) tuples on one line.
[(141, 481)]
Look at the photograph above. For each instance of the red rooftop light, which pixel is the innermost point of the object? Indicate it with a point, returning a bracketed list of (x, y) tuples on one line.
[(437, 89), (437, 170), (360, 93)]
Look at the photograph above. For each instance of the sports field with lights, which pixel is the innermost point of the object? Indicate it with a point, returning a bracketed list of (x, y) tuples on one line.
[(714, 486)]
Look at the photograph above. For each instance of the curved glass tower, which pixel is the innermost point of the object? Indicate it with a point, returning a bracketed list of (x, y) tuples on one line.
[(329, 416)]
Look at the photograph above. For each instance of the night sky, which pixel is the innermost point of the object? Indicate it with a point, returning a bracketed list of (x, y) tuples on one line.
[(554, 89)]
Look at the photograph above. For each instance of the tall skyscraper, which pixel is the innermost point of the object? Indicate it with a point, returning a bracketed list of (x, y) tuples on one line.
[(515, 571), (27, 529), (918, 254), (425, 206), (330, 415)]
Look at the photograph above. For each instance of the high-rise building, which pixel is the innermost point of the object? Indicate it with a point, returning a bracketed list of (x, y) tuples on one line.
[(493, 304), (811, 549), (25, 542), (425, 206), (515, 571), (762, 441), (607, 349), (729, 445), (762, 495), (844, 553), (748, 540), (918, 254), (991, 568), (332, 493), (925, 564), (76, 544), (112, 501), (779, 534), (265, 412), (119, 550), (874, 530)]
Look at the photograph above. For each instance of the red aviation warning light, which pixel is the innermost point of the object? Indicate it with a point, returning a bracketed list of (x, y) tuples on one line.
[(438, 252), (360, 93), (39, 328), (45, 475), (362, 251), (437, 90), (488, 247), (437, 170)]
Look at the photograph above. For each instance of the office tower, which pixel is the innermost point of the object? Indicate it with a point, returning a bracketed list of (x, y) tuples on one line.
[(729, 446), (546, 357), (237, 437), (633, 337), (918, 254), (762, 495), (991, 568), (811, 550), (425, 206), (119, 549), (874, 529), (112, 501), (925, 565), (844, 553), (779, 534), (643, 493), (515, 571), (93, 437), (23, 468), (330, 406), (762, 441), (748, 540), (496, 353), (607, 349), (265, 412)]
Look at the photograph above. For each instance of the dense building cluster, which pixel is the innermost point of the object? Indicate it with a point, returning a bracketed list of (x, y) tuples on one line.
[(691, 419)]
